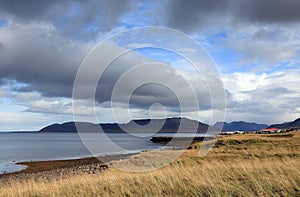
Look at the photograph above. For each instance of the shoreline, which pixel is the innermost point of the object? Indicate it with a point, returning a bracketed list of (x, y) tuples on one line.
[(47, 171)]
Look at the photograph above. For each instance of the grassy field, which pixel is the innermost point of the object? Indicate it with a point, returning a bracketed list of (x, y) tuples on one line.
[(238, 165)]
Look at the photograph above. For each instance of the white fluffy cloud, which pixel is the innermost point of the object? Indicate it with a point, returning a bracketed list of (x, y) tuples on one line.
[(264, 98)]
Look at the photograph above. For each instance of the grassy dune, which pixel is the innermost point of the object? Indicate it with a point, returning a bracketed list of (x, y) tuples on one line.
[(239, 165)]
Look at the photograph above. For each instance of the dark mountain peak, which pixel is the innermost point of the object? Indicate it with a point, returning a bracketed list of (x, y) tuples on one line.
[(286, 125), (240, 126), (297, 120)]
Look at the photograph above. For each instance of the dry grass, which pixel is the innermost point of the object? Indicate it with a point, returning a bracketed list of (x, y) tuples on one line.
[(240, 165)]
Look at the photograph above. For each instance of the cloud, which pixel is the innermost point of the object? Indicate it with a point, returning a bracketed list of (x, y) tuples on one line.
[(37, 56), (38, 59), (74, 18), (3, 92), (16, 121), (270, 52), (269, 11), (262, 35), (32, 9), (190, 16), (157, 82), (264, 98)]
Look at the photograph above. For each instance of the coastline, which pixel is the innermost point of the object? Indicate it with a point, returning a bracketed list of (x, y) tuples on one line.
[(46, 171), (58, 169)]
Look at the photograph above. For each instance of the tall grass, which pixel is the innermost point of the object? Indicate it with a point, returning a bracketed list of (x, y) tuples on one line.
[(243, 165)]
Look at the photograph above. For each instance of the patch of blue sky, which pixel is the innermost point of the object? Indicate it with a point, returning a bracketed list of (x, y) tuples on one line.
[(90, 28), (5, 101), (226, 59), (131, 20), (3, 23), (125, 24), (161, 55), (284, 66), (142, 16), (12, 85), (210, 40), (217, 38), (169, 58)]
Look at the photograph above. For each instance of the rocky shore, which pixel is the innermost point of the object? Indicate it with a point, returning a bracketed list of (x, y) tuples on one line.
[(46, 171)]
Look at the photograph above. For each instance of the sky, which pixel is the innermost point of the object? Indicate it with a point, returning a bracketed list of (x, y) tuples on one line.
[(255, 46)]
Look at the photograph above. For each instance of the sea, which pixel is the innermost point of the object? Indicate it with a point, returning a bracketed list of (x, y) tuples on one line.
[(43, 146)]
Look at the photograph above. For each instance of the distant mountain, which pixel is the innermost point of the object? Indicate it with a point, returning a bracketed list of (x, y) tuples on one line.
[(293, 124), (240, 126), (69, 127), (169, 125)]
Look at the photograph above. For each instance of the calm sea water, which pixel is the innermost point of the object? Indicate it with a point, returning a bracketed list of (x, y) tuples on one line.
[(16, 147)]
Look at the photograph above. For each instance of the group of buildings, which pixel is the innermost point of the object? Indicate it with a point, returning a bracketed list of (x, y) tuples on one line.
[(262, 131)]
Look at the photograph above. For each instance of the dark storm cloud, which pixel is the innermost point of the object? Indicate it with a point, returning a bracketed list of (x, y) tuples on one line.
[(190, 15), (31, 9), (38, 59), (76, 18), (96, 16), (2, 82), (132, 69), (195, 14), (269, 10)]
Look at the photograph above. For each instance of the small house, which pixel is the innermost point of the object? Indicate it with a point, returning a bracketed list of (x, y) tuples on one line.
[(269, 130)]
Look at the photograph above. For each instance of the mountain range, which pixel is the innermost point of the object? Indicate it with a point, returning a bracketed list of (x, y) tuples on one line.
[(164, 125), (160, 125), (293, 124), (240, 126)]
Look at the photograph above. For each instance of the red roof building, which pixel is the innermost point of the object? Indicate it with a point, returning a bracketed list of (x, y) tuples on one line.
[(270, 130)]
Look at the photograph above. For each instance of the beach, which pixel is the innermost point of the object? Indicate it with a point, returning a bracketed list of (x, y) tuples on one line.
[(47, 171)]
